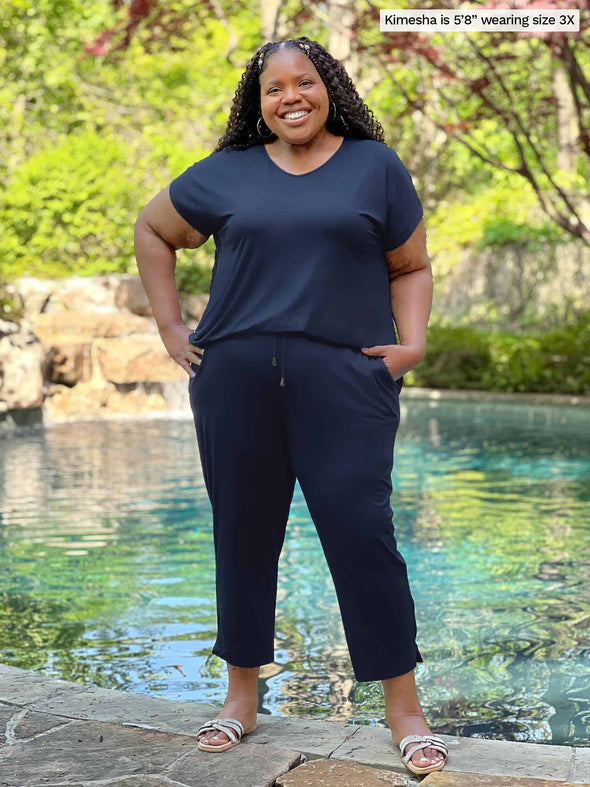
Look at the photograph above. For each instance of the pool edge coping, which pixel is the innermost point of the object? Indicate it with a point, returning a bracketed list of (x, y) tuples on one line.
[(32, 693)]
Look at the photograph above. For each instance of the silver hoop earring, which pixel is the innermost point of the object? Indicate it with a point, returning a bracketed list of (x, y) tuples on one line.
[(333, 119), (264, 136)]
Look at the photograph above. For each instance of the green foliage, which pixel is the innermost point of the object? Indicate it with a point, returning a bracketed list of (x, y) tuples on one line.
[(70, 208), (194, 269), (455, 358), (555, 361), (88, 141), (501, 212), (42, 92)]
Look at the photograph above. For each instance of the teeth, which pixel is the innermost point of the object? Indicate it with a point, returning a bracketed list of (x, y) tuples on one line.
[(293, 115)]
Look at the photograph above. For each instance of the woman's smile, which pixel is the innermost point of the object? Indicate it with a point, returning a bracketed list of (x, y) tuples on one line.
[(297, 118)]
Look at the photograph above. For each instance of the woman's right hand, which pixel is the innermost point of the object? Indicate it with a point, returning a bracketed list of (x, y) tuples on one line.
[(175, 338)]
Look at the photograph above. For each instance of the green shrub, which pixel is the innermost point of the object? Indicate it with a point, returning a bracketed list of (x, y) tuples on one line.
[(455, 358), (553, 362), (71, 208), (194, 269)]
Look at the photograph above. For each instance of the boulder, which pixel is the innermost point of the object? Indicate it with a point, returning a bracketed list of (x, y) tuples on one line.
[(136, 401), (31, 294), (136, 359), (68, 362), (85, 400), (68, 339), (94, 342), (95, 399), (104, 294), (53, 328), (21, 378), (91, 293), (193, 306), (131, 296)]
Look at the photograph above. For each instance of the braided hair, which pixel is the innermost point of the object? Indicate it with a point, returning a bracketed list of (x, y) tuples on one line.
[(353, 117)]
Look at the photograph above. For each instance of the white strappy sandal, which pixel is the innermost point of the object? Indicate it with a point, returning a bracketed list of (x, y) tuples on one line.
[(233, 728), (422, 742)]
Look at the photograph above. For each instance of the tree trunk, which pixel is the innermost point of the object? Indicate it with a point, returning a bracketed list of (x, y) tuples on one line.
[(567, 123), (342, 16), (269, 20)]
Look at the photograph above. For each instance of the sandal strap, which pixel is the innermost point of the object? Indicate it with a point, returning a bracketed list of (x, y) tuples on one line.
[(228, 726), (423, 742), (234, 723), (216, 726)]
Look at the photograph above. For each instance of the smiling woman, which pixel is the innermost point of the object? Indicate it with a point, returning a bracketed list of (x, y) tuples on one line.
[(310, 212), (295, 106)]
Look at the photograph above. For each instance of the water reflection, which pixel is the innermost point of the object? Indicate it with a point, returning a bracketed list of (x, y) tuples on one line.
[(108, 566)]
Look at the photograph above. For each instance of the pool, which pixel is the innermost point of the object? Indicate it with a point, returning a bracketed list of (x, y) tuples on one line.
[(108, 570)]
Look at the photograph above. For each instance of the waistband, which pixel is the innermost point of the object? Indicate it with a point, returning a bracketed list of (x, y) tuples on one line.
[(284, 334), (283, 381)]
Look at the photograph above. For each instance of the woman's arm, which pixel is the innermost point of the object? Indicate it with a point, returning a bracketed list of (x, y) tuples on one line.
[(411, 288), (159, 231), (410, 277)]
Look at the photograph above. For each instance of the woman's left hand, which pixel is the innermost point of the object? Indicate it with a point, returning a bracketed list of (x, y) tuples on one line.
[(399, 358)]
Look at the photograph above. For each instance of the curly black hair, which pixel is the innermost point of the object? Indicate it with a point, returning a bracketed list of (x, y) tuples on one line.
[(353, 116)]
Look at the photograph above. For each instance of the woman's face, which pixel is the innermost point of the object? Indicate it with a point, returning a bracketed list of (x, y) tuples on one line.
[(290, 83)]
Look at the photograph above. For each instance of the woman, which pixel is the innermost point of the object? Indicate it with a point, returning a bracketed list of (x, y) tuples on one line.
[(320, 244)]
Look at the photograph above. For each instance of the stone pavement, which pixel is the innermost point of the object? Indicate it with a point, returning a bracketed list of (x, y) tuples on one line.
[(330, 773), (480, 780), (58, 733)]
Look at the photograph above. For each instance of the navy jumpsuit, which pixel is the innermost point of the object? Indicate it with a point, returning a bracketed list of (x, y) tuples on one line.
[(283, 392)]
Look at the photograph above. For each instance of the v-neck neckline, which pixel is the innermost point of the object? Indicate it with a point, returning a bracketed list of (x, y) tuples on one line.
[(311, 171)]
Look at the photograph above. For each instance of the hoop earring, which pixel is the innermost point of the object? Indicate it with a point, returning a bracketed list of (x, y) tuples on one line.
[(264, 136), (333, 119)]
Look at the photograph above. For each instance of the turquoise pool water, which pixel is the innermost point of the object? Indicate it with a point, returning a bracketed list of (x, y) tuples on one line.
[(108, 570)]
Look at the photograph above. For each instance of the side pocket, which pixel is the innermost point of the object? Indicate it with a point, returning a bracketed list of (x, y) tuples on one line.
[(394, 384), (197, 367)]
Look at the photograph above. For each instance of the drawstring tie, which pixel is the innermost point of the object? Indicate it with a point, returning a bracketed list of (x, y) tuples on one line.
[(283, 382)]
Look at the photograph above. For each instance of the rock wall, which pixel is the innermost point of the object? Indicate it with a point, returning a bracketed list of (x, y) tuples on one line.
[(512, 286), (87, 348)]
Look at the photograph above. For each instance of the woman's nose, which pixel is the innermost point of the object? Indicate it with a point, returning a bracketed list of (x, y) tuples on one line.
[(291, 94)]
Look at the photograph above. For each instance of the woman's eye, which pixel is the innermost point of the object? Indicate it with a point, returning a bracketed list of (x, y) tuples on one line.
[(305, 82)]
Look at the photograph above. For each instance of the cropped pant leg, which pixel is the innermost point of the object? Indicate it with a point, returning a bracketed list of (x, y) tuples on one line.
[(343, 414), (238, 410)]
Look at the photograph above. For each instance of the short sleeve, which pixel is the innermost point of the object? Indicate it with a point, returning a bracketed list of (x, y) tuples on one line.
[(404, 209), (195, 194)]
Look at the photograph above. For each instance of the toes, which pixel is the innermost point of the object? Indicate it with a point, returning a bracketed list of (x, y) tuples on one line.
[(427, 757), (215, 738)]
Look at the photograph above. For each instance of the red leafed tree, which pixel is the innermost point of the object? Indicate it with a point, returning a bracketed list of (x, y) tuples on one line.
[(474, 78), (138, 11), (160, 25)]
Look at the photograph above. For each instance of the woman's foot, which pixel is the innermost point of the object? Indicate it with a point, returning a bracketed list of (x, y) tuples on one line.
[(410, 724), (243, 709), (241, 703), (404, 716)]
